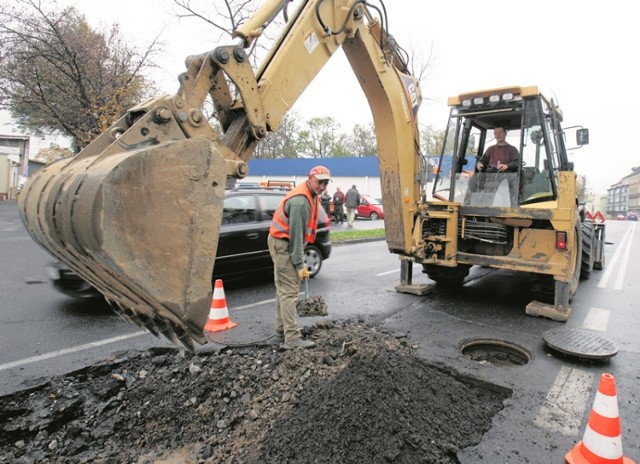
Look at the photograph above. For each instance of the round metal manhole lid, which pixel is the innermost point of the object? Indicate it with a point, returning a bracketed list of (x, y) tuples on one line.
[(581, 343)]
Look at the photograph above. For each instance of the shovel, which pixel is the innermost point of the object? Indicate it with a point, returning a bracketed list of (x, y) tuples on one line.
[(306, 288), (310, 305)]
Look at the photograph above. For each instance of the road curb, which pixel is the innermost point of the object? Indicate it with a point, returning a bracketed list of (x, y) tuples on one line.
[(357, 240)]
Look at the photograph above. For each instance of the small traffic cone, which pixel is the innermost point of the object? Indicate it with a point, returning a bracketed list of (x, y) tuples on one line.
[(602, 440), (219, 314)]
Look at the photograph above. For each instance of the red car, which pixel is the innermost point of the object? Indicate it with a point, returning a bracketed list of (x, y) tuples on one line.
[(370, 208)]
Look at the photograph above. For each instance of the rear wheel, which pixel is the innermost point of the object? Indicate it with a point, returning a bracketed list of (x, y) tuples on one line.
[(374, 216), (447, 276), (587, 250), (313, 258)]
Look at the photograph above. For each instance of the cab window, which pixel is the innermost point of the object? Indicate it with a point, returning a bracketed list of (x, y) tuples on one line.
[(538, 156)]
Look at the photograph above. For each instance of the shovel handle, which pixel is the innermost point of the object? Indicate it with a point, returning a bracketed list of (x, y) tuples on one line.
[(306, 288)]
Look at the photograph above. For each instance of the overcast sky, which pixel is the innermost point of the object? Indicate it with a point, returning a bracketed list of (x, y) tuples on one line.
[(584, 55)]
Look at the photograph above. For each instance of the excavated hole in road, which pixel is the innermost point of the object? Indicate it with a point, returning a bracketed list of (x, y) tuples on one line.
[(360, 396), (494, 352)]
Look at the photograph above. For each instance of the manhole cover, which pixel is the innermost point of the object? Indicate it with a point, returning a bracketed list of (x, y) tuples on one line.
[(494, 352), (581, 343)]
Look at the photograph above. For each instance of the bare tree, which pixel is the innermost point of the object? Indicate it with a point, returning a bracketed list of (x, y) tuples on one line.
[(224, 16), (57, 74), (422, 63)]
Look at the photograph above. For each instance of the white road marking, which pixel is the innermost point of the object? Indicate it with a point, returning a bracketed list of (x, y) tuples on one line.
[(597, 319), (394, 271), (566, 402), (259, 303), (74, 349), (624, 250), (625, 259)]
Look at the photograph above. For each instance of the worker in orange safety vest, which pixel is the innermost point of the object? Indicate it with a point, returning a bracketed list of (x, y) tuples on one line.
[(294, 225)]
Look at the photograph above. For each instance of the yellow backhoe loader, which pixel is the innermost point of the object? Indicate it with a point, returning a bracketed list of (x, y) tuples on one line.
[(522, 216)]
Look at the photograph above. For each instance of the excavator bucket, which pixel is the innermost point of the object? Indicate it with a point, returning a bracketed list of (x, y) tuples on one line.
[(141, 225)]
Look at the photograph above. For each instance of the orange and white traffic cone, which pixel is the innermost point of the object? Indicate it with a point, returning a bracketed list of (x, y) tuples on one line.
[(219, 314), (602, 440)]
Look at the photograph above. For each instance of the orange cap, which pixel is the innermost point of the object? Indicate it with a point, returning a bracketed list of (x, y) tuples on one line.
[(320, 173)]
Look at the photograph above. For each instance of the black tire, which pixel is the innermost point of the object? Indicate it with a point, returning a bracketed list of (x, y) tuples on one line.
[(374, 216), (588, 247), (447, 276), (313, 258)]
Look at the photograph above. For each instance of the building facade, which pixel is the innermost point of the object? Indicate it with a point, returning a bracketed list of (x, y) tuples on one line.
[(624, 196), (14, 164)]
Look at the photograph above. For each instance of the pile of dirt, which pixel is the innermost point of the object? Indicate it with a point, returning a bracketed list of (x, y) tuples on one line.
[(312, 306), (360, 396)]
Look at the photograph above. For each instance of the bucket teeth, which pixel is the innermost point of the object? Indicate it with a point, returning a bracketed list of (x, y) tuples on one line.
[(124, 312), (149, 324), (168, 332), (156, 326), (186, 340)]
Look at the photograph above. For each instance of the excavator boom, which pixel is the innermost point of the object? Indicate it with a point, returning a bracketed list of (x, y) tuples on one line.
[(137, 212)]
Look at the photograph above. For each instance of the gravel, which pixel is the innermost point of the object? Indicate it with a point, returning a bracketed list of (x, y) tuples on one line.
[(360, 396)]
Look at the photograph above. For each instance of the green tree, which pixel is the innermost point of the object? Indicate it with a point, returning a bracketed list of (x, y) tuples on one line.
[(57, 74), (283, 142), (581, 188), (431, 141), (362, 141), (431, 144), (322, 138)]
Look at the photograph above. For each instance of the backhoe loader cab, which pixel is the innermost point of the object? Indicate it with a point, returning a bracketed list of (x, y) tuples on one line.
[(533, 126), (525, 218)]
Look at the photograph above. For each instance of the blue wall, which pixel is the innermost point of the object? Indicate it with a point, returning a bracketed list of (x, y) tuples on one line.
[(339, 167)]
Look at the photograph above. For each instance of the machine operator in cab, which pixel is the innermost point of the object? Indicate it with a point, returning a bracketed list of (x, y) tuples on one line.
[(500, 157)]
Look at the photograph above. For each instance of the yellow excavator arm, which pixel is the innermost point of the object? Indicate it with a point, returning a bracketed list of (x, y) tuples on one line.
[(137, 213)]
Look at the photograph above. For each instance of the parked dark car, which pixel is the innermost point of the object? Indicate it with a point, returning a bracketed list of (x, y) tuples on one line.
[(632, 217), (242, 248)]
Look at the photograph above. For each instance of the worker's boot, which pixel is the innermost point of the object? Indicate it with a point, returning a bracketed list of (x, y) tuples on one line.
[(298, 343), (277, 338)]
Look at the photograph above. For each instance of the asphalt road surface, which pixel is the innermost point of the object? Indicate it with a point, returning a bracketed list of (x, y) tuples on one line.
[(44, 333)]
